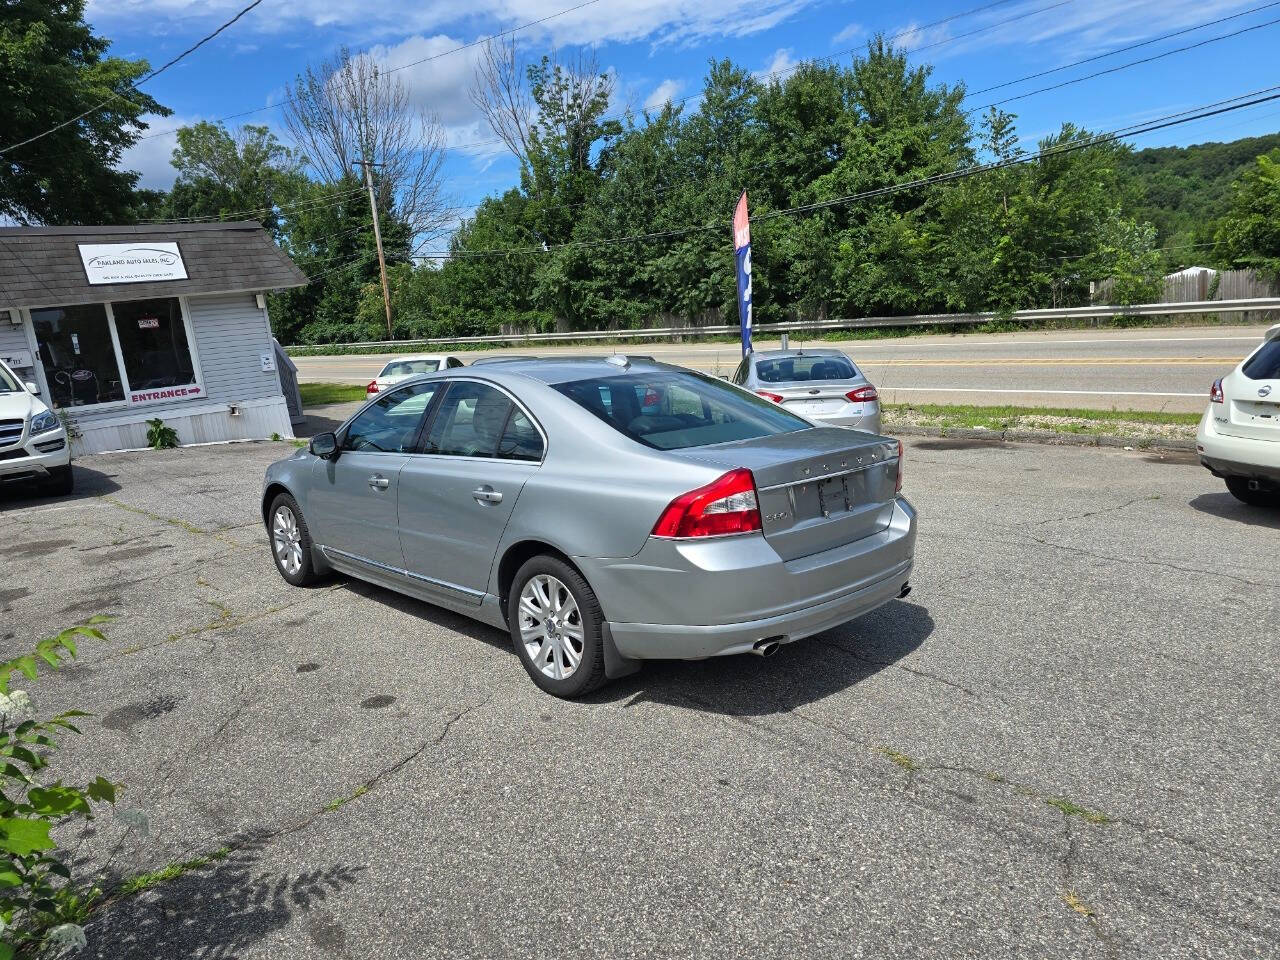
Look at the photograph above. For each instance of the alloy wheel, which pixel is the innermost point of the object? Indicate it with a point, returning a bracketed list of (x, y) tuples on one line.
[(287, 539), (551, 627)]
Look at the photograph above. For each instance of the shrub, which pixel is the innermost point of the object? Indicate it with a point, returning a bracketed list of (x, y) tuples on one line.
[(40, 908), (160, 436)]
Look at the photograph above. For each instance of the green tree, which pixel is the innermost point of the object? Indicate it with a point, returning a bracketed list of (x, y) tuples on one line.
[(53, 69), (246, 174), (1249, 235)]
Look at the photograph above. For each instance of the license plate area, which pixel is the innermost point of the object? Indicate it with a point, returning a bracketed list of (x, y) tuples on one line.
[(1256, 413), (828, 497)]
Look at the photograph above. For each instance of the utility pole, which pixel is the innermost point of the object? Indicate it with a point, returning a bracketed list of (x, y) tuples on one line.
[(368, 166)]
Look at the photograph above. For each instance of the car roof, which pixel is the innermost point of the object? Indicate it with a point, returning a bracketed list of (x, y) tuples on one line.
[(505, 359), (419, 356), (811, 352), (563, 369)]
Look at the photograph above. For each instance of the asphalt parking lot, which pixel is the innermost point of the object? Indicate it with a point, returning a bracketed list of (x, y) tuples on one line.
[(1062, 744)]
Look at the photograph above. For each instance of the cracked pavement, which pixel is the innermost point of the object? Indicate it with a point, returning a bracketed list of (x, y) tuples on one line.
[(1062, 744)]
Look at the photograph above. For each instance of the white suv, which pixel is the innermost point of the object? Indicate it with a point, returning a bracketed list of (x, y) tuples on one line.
[(1239, 435), (33, 443)]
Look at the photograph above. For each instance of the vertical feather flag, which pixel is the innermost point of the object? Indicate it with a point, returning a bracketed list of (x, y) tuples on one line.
[(742, 253)]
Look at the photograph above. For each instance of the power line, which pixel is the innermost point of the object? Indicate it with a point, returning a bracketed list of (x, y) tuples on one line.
[(1199, 113), (154, 73), (1118, 50), (311, 203), (1131, 63), (841, 53)]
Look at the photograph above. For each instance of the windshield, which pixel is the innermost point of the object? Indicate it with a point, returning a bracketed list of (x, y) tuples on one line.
[(1265, 364), (407, 368), (805, 368), (673, 411), (8, 382)]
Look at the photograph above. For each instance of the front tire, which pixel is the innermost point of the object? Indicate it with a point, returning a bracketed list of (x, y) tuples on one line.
[(290, 541), (557, 627), (1239, 487)]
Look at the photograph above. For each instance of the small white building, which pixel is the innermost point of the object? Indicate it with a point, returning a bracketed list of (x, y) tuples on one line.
[(118, 325)]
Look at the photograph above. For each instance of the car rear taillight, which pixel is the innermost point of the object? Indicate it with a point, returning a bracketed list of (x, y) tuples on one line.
[(897, 485), (1215, 391), (769, 396), (725, 506), (371, 389), (865, 394)]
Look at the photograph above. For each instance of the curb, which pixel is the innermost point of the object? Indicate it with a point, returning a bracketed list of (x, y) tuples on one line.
[(1050, 437)]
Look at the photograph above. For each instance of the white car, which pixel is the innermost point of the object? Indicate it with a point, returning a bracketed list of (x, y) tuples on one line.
[(401, 368), (1239, 435), (33, 442)]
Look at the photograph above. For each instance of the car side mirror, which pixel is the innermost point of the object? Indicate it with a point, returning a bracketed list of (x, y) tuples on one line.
[(324, 446), (32, 388)]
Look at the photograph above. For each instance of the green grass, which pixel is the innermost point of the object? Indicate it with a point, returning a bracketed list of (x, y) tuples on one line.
[(316, 394), (341, 802), (145, 881), (999, 417), (1070, 809)]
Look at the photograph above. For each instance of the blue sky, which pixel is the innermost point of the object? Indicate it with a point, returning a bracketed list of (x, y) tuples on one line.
[(659, 49)]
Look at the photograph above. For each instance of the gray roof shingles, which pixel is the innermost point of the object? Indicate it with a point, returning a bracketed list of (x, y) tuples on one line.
[(40, 266)]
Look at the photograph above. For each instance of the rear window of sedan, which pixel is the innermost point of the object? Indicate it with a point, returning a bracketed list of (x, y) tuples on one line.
[(1265, 364), (674, 411), (805, 368), (407, 368)]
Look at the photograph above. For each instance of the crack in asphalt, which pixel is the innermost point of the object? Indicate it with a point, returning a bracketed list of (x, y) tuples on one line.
[(1148, 498)]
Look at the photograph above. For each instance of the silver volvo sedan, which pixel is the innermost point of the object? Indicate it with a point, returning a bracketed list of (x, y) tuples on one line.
[(603, 511), (819, 384)]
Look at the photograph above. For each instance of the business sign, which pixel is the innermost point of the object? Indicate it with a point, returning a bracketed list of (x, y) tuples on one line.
[(168, 393), (143, 262), (742, 254)]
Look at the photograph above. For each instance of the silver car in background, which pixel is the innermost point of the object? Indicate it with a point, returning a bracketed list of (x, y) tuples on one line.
[(822, 385), (603, 511)]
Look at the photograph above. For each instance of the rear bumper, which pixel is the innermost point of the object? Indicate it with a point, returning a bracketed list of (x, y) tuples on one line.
[(691, 601), (869, 422), (1227, 456)]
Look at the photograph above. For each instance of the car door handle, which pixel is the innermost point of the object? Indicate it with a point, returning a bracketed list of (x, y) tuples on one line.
[(379, 482), (486, 494)]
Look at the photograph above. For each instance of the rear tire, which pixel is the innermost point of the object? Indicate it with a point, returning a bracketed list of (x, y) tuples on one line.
[(290, 541), (557, 627), (1239, 487), (61, 481)]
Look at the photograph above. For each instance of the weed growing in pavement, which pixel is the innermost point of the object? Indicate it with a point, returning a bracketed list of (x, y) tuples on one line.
[(41, 907), (341, 802), (160, 436), (1070, 809), (146, 881), (901, 759), (1076, 904)]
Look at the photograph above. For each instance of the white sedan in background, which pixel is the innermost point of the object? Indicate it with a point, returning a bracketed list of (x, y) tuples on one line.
[(402, 368), (1239, 435)]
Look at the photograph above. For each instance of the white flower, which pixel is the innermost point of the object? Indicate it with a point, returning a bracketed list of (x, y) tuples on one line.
[(15, 708), (68, 936), (135, 819)]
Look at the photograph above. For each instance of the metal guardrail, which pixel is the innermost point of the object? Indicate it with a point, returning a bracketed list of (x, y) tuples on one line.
[(1254, 305)]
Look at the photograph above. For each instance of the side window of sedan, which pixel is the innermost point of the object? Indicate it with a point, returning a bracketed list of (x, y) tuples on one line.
[(453, 362), (390, 424), (470, 421), (740, 375), (521, 440)]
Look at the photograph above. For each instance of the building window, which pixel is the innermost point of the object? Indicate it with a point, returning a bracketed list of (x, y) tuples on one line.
[(136, 351), (153, 343), (79, 357)]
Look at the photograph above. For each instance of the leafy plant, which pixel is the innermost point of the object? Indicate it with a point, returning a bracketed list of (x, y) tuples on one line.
[(39, 906), (69, 425), (160, 436)]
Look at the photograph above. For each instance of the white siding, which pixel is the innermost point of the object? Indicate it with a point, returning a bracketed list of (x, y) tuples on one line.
[(194, 422), (231, 335), (13, 340)]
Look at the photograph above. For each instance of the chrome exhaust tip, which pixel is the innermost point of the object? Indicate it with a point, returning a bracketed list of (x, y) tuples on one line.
[(766, 647)]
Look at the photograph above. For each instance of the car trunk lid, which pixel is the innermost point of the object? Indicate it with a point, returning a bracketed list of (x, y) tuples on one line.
[(818, 489), (810, 399)]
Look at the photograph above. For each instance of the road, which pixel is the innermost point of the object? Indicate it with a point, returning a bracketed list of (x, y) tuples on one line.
[(1062, 744), (1130, 369)]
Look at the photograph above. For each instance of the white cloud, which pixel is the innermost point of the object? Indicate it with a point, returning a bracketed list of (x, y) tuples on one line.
[(150, 156), (664, 92), (851, 32), (661, 21), (781, 64), (439, 85)]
